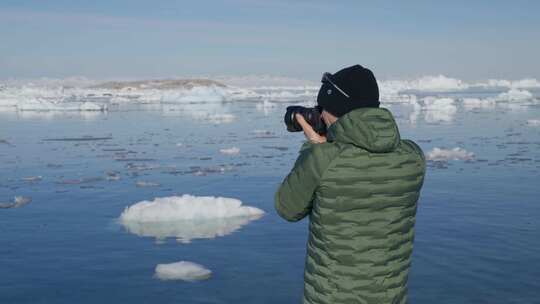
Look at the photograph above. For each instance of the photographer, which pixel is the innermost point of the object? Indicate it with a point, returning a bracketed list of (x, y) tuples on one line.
[(359, 182)]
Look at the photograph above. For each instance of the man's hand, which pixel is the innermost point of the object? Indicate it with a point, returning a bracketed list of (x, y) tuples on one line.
[(310, 134)]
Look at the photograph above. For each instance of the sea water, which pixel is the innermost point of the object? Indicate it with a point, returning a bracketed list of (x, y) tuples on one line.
[(477, 228)]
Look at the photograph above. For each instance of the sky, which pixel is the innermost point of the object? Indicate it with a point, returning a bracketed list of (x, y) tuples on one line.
[(106, 39)]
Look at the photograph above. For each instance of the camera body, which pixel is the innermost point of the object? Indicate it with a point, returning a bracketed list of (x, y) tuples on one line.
[(311, 115)]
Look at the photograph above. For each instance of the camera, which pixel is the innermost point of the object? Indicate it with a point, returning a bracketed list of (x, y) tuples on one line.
[(311, 115)]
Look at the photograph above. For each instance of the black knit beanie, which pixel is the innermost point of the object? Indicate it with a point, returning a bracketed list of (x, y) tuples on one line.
[(357, 82)]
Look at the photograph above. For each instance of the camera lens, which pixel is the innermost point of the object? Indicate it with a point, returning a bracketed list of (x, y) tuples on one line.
[(311, 115)]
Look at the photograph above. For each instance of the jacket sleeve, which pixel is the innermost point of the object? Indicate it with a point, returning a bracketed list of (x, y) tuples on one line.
[(293, 200)]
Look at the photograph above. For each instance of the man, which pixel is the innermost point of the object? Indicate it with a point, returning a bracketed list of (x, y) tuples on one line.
[(359, 185)]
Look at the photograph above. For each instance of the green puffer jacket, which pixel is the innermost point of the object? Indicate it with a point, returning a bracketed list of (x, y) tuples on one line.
[(360, 190)]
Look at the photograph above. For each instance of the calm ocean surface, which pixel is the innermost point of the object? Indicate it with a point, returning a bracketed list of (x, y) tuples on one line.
[(478, 221)]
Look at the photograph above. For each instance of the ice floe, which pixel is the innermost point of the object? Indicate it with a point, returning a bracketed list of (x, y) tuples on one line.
[(142, 184), (183, 270), (36, 178), (525, 83), (478, 103), (515, 95), (266, 91), (439, 109), (439, 83), (266, 107), (18, 201), (441, 154), (187, 217), (230, 151)]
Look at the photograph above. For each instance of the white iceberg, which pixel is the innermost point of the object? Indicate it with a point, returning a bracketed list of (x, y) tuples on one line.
[(188, 217), (230, 151), (183, 270), (525, 83), (438, 83), (438, 154), (439, 109), (195, 94), (515, 95)]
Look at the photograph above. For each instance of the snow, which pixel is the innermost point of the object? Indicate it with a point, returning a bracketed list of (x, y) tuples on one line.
[(188, 217), (230, 151), (183, 270), (440, 154)]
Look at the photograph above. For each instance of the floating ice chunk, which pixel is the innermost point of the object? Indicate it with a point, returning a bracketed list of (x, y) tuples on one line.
[(83, 180), (438, 83), (218, 118), (533, 122), (476, 103), (32, 178), (183, 270), (113, 176), (18, 201), (264, 134), (184, 231), (187, 207), (91, 106), (526, 83), (82, 138), (517, 84), (120, 99), (230, 151), (41, 104), (196, 94), (438, 154), (187, 217), (266, 107), (146, 184), (515, 95), (439, 109)]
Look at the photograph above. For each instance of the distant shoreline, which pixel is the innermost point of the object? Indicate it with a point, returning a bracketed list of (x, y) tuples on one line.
[(158, 84)]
